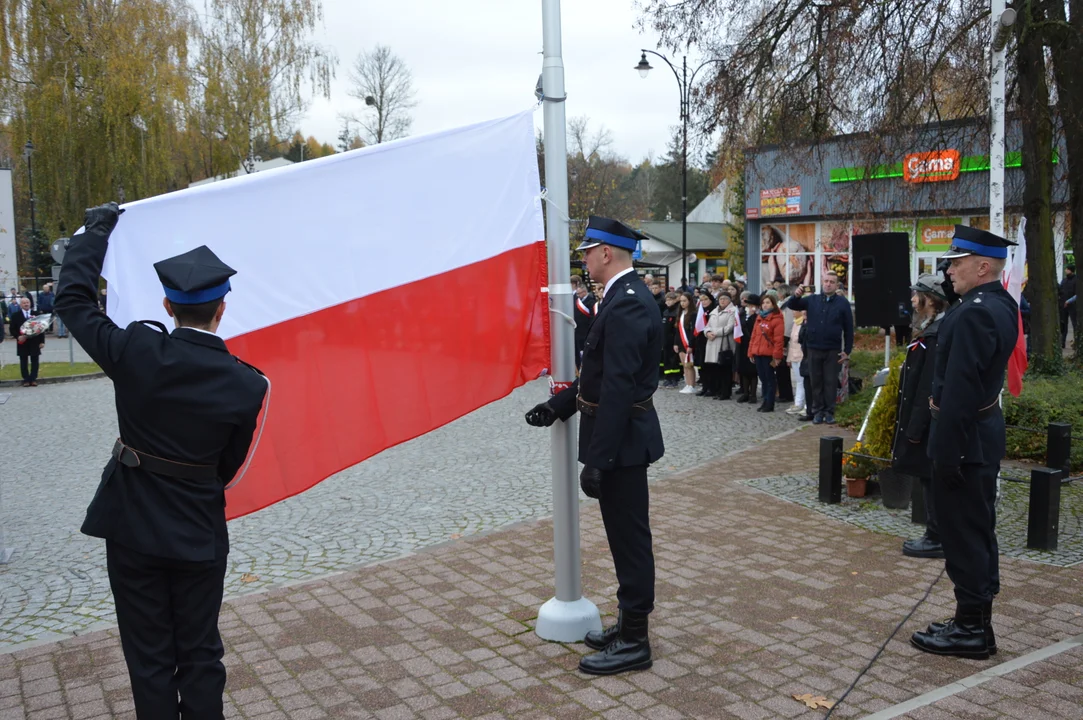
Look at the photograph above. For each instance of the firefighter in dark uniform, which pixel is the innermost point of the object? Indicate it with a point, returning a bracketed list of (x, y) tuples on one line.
[(966, 438), (619, 435), (583, 312), (187, 411)]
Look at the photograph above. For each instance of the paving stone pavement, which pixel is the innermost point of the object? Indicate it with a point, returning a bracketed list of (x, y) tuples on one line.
[(480, 473), (870, 513), (758, 600)]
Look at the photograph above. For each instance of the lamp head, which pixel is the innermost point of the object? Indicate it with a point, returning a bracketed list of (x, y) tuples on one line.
[(643, 67)]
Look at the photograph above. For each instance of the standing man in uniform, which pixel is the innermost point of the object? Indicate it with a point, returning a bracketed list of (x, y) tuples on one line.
[(187, 410), (619, 436), (966, 438)]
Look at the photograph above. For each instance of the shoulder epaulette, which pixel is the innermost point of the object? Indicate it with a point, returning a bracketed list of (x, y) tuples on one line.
[(154, 324), (250, 366)]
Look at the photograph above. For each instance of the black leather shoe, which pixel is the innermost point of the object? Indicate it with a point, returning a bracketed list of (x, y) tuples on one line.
[(599, 639), (742, 398), (987, 619), (804, 418), (962, 636), (630, 651), (923, 547)]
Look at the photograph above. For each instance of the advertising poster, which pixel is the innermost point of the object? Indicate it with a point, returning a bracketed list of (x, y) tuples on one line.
[(9, 270)]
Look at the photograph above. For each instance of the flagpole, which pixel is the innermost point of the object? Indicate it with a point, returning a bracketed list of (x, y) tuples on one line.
[(568, 616), (1001, 20)]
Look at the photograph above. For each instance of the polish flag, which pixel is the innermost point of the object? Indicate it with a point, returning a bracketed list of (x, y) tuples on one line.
[(384, 291), (701, 320), (1013, 282)]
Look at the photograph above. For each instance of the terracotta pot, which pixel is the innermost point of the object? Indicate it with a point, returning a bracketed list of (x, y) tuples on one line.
[(855, 487)]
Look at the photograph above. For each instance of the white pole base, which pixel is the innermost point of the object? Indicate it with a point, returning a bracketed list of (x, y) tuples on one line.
[(567, 621)]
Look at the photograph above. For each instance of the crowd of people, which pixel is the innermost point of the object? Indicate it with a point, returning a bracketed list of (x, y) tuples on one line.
[(726, 342)]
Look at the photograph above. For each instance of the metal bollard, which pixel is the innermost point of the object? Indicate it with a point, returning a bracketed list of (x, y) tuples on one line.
[(831, 470), (1058, 447), (1043, 517)]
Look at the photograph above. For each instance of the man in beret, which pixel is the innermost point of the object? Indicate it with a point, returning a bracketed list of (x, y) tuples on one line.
[(619, 435), (966, 438), (187, 411)]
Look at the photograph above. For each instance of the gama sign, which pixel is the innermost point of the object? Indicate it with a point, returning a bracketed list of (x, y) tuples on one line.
[(935, 166)]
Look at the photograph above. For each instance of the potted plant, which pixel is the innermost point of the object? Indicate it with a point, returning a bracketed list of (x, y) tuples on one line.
[(857, 470)]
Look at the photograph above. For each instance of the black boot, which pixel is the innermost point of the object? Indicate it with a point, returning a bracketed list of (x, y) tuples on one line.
[(923, 547), (987, 619), (962, 636), (630, 651), (599, 639)]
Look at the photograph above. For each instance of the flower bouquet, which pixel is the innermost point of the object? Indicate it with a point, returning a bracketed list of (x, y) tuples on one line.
[(36, 325)]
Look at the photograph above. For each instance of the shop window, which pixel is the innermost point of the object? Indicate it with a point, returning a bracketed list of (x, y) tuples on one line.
[(788, 254)]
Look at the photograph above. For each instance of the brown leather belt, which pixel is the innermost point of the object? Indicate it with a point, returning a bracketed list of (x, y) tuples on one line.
[(160, 466), (987, 411), (591, 409)]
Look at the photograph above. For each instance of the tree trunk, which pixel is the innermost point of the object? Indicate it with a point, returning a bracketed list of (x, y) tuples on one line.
[(1037, 126), (1067, 48)]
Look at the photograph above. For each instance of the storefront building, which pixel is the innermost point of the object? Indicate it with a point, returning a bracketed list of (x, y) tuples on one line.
[(804, 203)]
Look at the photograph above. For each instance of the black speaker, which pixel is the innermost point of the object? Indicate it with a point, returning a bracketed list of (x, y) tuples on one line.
[(880, 265)]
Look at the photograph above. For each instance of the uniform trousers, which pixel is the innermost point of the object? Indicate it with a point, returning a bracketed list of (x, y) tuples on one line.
[(625, 506), (966, 516), (167, 613)]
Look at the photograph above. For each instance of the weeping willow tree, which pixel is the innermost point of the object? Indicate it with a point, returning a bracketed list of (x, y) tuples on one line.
[(134, 98)]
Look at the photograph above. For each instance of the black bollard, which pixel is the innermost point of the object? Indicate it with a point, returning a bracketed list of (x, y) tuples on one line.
[(831, 470), (1043, 518), (1058, 447)]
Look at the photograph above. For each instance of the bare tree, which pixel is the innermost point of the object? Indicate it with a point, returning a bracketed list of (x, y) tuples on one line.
[(381, 80)]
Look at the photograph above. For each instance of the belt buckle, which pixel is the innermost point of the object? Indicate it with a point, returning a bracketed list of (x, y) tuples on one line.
[(125, 453)]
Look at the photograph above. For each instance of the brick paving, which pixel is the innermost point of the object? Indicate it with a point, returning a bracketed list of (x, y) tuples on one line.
[(758, 600)]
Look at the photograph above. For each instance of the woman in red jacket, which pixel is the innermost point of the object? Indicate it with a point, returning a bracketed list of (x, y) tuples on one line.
[(766, 347)]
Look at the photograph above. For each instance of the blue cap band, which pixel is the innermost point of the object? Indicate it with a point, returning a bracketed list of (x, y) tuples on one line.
[(979, 249), (196, 297), (610, 239)]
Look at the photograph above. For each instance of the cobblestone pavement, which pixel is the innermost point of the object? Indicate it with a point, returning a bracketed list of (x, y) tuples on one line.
[(870, 513), (758, 600), (479, 473)]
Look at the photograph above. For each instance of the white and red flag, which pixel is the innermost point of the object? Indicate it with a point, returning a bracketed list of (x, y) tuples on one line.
[(701, 320), (384, 291), (1013, 282)]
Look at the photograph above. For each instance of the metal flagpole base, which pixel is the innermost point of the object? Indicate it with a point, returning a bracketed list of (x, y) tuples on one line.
[(567, 621)]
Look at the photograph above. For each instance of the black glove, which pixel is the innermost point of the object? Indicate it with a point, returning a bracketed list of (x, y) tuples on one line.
[(102, 219), (590, 480), (947, 285), (541, 415), (952, 476)]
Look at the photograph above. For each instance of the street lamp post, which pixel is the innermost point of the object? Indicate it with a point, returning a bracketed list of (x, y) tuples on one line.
[(28, 151), (685, 84)]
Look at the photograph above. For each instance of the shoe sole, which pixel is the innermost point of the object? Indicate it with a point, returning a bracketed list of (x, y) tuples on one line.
[(925, 555), (965, 655), (640, 666)]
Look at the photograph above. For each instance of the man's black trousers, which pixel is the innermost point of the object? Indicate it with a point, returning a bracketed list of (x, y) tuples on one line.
[(167, 612), (625, 506), (966, 520), (28, 367), (823, 371)]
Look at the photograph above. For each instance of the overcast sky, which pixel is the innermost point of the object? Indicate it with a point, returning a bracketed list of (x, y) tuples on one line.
[(478, 59)]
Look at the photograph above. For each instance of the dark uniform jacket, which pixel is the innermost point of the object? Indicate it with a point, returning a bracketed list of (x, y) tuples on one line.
[(32, 345), (910, 451), (582, 320), (180, 396), (976, 339), (620, 368)]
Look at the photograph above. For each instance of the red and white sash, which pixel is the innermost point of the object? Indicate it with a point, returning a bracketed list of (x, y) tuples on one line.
[(684, 333)]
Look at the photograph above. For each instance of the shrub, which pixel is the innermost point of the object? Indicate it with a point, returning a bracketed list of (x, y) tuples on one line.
[(881, 430), (1045, 400)]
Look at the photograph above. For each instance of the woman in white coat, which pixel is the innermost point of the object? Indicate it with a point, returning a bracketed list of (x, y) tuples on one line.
[(720, 350)]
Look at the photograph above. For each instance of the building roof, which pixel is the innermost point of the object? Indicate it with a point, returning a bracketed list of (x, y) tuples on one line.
[(701, 235)]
